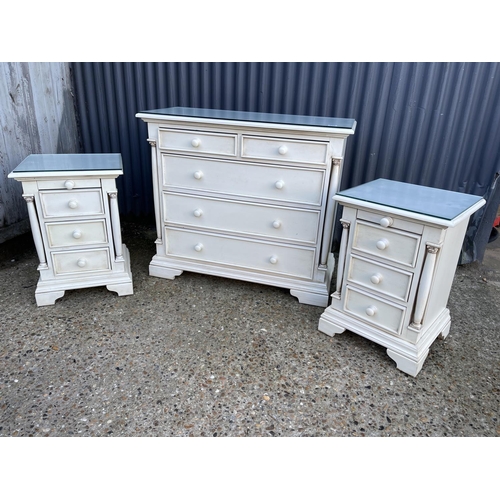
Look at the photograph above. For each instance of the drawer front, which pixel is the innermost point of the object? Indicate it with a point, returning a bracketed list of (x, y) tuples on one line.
[(197, 142), (63, 234), (383, 279), (69, 184), (390, 244), (388, 220), (374, 311), (248, 254), (285, 150), (71, 203), (81, 261), (294, 185), (249, 218)]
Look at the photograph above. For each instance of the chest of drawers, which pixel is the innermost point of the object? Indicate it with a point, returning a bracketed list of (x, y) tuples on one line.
[(399, 250), (247, 196), (75, 222)]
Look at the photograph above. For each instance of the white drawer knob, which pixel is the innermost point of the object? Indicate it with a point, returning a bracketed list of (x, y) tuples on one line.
[(282, 150), (69, 184), (371, 311), (273, 259), (198, 212), (279, 184), (386, 221), (195, 143), (77, 234), (382, 244), (198, 247), (277, 224), (376, 278), (81, 263), (198, 174), (72, 204)]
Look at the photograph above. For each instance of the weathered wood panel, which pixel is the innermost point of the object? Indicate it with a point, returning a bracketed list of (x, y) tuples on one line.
[(37, 115)]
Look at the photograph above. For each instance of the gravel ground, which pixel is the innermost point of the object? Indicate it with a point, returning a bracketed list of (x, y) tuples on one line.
[(207, 356)]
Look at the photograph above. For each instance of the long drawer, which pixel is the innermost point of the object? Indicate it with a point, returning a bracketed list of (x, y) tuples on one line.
[(248, 254), (298, 225), (64, 234), (74, 203), (81, 261), (292, 184)]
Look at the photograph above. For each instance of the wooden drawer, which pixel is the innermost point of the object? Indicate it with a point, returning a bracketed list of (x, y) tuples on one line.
[(69, 184), (292, 224), (238, 252), (390, 244), (389, 220), (383, 279), (375, 311), (284, 150), (293, 185), (64, 234), (197, 142), (82, 202), (81, 261)]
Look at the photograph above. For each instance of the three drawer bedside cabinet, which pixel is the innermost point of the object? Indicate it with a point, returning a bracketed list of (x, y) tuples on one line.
[(398, 255), (75, 222), (247, 196)]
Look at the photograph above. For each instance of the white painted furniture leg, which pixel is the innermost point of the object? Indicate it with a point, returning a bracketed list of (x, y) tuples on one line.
[(115, 222)]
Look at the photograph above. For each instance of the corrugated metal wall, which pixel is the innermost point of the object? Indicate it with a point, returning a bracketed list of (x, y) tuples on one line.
[(434, 124), (37, 115)]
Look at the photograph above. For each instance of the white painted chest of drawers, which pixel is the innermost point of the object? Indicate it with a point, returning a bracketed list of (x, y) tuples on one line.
[(247, 196), (399, 250), (75, 222)]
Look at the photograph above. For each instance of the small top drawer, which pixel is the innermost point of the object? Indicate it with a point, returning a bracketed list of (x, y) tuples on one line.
[(72, 203), (285, 150), (69, 184), (390, 244), (193, 141)]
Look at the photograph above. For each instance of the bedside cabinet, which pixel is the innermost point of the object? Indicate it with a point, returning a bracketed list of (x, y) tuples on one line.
[(247, 196), (399, 250), (73, 212)]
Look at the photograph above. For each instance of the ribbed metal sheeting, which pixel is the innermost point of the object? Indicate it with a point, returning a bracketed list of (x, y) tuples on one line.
[(433, 124)]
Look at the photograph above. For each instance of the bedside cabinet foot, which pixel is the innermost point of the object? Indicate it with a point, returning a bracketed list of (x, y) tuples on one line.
[(407, 365), (121, 288), (446, 330), (325, 325), (48, 298)]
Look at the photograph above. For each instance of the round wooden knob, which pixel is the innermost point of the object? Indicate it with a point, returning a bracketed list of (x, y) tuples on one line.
[(279, 184), (376, 278), (198, 174), (198, 247), (277, 224), (386, 221), (196, 143), (72, 204), (382, 244), (77, 234), (69, 184), (371, 311), (81, 263), (198, 212), (282, 150), (273, 259)]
